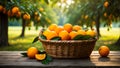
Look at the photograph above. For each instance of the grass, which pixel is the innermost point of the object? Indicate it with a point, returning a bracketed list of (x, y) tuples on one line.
[(108, 38), (21, 44)]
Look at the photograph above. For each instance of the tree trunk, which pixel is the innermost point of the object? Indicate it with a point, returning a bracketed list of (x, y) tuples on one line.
[(23, 28), (98, 25), (118, 42), (3, 29)]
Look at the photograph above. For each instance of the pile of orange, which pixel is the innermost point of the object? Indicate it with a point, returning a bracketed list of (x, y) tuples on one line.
[(3, 9), (66, 32), (15, 11)]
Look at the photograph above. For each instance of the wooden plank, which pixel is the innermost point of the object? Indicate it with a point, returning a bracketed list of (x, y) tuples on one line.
[(15, 59)]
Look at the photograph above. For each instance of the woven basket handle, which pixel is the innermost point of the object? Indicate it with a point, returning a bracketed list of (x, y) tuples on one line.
[(41, 31)]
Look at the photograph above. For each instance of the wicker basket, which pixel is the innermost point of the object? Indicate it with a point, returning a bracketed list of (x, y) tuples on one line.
[(68, 49)]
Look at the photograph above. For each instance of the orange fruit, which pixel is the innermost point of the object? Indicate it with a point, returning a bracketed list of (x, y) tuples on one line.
[(104, 51), (73, 34), (64, 35), (26, 16), (76, 27), (92, 33), (81, 32), (59, 29), (4, 10), (86, 17), (51, 35), (106, 4), (46, 32), (1, 8), (93, 23), (110, 16), (35, 17), (40, 56), (15, 10), (68, 27), (9, 13), (31, 52), (105, 14), (18, 14), (36, 13), (38, 18), (41, 9), (52, 27)]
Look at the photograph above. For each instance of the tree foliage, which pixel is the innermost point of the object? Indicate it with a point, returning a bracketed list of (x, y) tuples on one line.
[(44, 13), (85, 12)]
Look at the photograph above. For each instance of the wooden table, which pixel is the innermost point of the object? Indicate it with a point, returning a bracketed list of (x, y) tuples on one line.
[(13, 59)]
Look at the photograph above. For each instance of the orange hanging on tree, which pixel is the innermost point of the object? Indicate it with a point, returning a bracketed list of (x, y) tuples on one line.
[(106, 4)]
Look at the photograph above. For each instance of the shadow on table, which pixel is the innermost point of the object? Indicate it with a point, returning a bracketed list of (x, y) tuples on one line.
[(74, 62), (104, 59)]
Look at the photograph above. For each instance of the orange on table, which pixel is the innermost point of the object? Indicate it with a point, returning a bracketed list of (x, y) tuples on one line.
[(73, 34), (92, 33), (59, 29), (64, 35), (104, 51), (76, 27), (51, 35), (68, 27), (81, 32), (31, 52), (40, 56), (52, 27)]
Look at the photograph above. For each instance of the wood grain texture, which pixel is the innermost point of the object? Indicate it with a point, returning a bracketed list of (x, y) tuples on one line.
[(13, 59)]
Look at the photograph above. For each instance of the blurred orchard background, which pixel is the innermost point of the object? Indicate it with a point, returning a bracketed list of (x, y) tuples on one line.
[(21, 20)]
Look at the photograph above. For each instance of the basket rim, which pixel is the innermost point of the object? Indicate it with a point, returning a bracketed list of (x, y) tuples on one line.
[(67, 41)]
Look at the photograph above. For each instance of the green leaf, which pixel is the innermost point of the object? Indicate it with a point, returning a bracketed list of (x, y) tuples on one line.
[(56, 38), (24, 54), (78, 37), (35, 39), (47, 1), (43, 37), (82, 37), (86, 37), (47, 60), (42, 52)]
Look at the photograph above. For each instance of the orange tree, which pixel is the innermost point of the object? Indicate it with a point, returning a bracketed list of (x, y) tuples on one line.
[(88, 14), (95, 12), (41, 14), (27, 10)]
